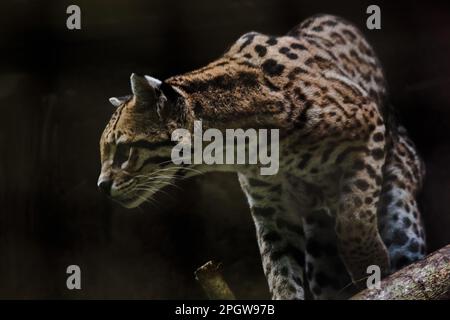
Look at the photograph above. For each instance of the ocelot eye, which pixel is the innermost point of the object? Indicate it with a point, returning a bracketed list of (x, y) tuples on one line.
[(122, 154)]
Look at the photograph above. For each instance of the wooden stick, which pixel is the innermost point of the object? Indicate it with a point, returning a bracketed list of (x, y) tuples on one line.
[(212, 282)]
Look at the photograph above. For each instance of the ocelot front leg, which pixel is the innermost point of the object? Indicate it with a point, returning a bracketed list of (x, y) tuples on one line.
[(325, 271), (359, 240), (280, 237)]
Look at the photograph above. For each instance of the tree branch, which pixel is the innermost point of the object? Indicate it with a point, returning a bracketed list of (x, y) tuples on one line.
[(427, 279)]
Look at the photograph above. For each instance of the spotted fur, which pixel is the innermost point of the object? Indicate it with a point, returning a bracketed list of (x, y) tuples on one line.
[(345, 194)]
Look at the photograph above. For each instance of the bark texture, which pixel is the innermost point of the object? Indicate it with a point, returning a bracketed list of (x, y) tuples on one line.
[(212, 282), (427, 279)]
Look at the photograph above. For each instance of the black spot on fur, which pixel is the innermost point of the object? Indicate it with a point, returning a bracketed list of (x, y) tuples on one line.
[(298, 255), (358, 165), (270, 85), (289, 250), (284, 271), (304, 162), (357, 201), (300, 96), (272, 41), (303, 118), (400, 237), (378, 180), (413, 246), (362, 184), (309, 61), (377, 137), (276, 255), (272, 68), (260, 50), (349, 34), (249, 39), (298, 46), (297, 70), (284, 50), (329, 23), (377, 153), (298, 281), (371, 171), (326, 154), (338, 38), (406, 222), (291, 288), (343, 155), (317, 29)]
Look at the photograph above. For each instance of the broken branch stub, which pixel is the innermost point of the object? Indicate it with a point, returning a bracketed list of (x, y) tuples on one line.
[(212, 282)]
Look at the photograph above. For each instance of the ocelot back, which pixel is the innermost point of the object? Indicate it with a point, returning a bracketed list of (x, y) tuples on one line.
[(345, 194)]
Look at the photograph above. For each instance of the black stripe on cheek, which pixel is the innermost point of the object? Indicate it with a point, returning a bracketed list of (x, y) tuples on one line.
[(156, 160), (150, 145), (133, 158), (161, 160)]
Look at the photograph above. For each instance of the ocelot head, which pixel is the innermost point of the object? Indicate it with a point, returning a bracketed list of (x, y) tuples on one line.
[(136, 144)]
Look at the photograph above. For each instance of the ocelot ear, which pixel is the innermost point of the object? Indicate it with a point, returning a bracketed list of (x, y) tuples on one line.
[(155, 83), (117, 101), (144, 88), (147, 90)]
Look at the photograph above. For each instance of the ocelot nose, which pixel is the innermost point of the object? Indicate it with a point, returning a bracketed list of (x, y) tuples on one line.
[(105, 186)]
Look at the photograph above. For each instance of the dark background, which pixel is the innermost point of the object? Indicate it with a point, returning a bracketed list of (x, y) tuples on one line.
[(54, 85)]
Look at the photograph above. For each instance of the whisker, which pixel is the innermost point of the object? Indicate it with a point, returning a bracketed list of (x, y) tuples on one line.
[(164, 162), (154, 190), (352, 283), (152, 182)]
